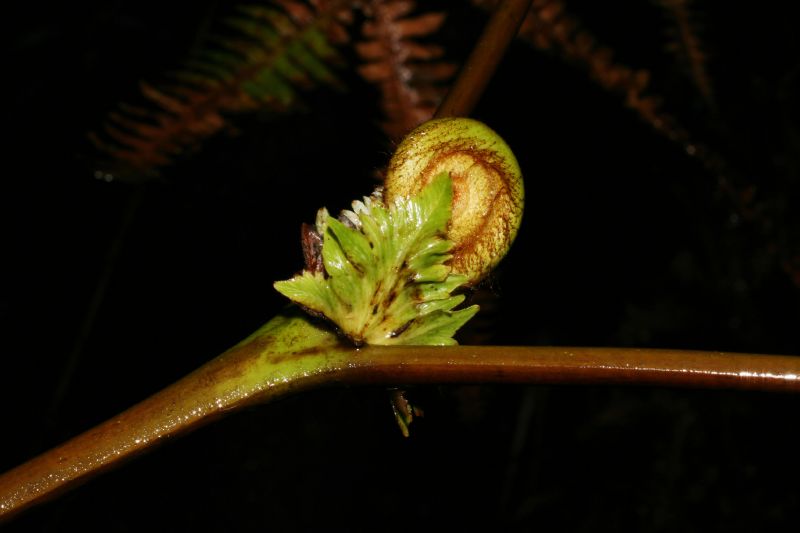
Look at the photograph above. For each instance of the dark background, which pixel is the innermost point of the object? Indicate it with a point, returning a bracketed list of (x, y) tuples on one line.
[(627, 241)]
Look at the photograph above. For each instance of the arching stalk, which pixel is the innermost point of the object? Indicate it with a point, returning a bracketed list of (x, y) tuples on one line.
[(291, 354)]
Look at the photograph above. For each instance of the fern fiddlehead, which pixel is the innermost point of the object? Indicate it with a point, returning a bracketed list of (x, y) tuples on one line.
[(452, 207), (487, 187)]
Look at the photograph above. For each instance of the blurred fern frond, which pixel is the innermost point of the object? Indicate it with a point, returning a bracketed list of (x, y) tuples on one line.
[(272, 52), (685, 43), (409, 73), (549, 27)]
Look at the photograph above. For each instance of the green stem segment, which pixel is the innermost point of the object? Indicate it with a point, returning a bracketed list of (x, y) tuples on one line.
[(291, 354)]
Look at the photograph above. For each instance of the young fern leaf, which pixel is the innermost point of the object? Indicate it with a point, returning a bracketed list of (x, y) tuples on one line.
[(386, 280), (270, 53)]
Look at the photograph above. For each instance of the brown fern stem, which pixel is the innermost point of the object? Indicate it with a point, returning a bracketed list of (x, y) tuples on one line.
[(226, 384), (481, 64)]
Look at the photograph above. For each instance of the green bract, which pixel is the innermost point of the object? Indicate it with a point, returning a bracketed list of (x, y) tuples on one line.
[(385, 279)]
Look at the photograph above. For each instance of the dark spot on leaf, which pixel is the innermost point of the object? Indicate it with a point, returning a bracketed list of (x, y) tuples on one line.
[(399, 331), (390, 298)]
